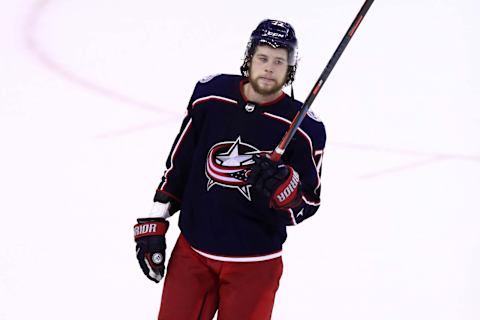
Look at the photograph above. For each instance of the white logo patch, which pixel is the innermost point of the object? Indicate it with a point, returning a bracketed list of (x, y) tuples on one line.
[(300, 213), (313, 116), (157, 258), (250, 107), (208, 78)]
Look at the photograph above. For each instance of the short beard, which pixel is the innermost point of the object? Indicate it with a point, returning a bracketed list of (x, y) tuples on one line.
[(265, 92)]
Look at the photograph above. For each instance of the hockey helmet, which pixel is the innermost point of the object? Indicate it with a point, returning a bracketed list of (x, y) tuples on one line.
[(276, 34)]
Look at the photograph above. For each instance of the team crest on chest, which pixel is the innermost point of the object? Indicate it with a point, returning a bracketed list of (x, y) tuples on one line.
[(228, 164)]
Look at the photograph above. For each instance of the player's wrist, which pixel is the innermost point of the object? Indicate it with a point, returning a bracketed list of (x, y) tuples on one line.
[(161, 210), (164, 205)]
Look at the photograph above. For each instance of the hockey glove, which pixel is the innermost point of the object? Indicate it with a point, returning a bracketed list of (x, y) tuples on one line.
[(277, 181), (151, 245)]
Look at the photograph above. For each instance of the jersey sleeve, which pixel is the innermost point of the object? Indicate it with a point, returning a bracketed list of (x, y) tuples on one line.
[(306, 158), (179, 159)]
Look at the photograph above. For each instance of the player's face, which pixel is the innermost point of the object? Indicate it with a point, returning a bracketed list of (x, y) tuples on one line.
[(268, 69)]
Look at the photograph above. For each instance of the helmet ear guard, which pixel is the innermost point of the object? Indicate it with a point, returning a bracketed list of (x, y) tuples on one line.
[(276, 34)]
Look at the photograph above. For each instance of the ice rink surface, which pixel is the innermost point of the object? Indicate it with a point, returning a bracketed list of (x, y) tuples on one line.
[(91, 97)]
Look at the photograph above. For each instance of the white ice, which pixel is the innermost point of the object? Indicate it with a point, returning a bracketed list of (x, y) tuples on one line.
[(91, 97)]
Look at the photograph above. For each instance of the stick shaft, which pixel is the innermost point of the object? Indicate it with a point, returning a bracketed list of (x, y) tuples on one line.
[(280, 149)]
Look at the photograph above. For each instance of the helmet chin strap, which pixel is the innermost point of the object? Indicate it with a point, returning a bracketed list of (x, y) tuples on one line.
[(291, 91)]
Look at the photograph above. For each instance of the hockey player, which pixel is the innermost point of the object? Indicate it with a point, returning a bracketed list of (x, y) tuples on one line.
[(235, 203)]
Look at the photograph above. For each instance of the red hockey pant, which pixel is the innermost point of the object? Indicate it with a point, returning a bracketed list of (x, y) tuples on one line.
[(196, 287)]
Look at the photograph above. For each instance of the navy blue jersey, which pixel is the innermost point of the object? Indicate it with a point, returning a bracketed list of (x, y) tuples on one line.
[(221, 215)]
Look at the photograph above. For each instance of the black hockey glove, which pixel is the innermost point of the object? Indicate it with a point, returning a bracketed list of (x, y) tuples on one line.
[(151, 245), (277, 181)]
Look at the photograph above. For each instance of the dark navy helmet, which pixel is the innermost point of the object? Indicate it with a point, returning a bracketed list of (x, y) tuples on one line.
[(276, 34)]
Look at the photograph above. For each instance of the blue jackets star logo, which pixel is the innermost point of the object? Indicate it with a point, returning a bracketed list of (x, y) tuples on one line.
[(228, 164)]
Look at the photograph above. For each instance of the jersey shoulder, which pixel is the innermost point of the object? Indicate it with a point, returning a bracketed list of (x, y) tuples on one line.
[(224, 85), (313, 126)]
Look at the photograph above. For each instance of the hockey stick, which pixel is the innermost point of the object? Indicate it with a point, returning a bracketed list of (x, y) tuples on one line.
[(280, 149)]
